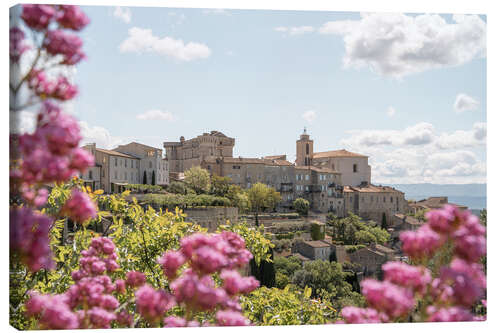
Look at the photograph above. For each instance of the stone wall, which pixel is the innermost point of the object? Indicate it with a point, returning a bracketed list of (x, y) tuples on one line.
[(211, 217)]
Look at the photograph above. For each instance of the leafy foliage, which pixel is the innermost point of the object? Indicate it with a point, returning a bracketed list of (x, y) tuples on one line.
[(171, 201), (301, 206), (198, 179), (351, 231), (289, 306), (261, 197)]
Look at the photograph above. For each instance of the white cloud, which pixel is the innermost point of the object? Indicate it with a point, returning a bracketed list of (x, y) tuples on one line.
[(156, 115), (391, 111), (100, 136), (419, 134), (464, 102), (123, 13), (292, 31), (463, 139), (142, 40), (396, 45), (309, 116)]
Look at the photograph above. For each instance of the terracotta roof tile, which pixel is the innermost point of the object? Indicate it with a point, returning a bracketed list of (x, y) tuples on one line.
[(337, 153)]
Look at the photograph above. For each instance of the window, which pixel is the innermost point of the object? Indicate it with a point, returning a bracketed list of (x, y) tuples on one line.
[(384, 199), (103, 173), (236, 167), (307, 149), (90, 174), (126, 164), (116, 161), (209, 167), (333, 166), (354, 168), (307, 177), (391, 199)]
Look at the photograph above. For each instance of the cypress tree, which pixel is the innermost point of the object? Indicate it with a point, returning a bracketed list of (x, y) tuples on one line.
[(145, 178), (153, 178), (384, 221)]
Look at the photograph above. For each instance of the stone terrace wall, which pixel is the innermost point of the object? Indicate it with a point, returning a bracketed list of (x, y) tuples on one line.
[(211, 217)]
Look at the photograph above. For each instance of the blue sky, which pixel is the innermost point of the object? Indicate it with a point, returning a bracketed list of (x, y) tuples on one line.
[(261, 76)]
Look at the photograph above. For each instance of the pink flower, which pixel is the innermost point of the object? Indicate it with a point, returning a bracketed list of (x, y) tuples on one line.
[(445, 220), (234, 283), (354, 315), (79, 207), (421, 243), (135, 279), (120, 287), (415, 277), (38, 17), (152, 304), (171, 262), (72, 17), (231, 318), (387, 297), (68, 45), (29, 238), (207, 260), (100, 318), (467, 282), (124, 318), (81, 160), (16, 44), (52, 311), (448, 314), (173, 321)]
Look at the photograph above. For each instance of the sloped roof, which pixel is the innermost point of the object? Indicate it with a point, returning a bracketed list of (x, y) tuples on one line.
[(115, 153), (317, 243), (141, 145), (337, 153), (275, 157), (371, 189)]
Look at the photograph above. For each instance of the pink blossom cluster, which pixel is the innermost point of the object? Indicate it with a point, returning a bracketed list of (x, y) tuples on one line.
[(460, 283), (51, 153), (89, 303), (38, 17), (60, 89), (17, 46), (195, 289), (79, 207), (29, 238), (58, 42), (72, 17)]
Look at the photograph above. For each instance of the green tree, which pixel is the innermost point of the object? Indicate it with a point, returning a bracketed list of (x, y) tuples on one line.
[(264, 271), (145, 178), (177, 188), (384, 221), (261, 197), (153, 178), (197, 179), (301, 206), (220, 186), (327, 280), (287, 266)]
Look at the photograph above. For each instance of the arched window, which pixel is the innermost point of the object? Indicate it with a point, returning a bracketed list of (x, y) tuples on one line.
[(307, 149)]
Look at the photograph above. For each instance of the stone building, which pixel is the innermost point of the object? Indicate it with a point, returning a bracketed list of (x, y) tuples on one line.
[(314, 250), (371, 258), (184, 154), (116, 169), (337, 181), (432, 203), (372, 202), (151, 163)]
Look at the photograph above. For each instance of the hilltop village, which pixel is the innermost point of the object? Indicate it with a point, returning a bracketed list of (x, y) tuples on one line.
[(337, 185)]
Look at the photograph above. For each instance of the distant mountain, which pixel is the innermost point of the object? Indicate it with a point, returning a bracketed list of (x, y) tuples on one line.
[(470, 195)]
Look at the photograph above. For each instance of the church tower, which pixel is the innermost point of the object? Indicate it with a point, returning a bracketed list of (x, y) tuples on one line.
[(304, 151)]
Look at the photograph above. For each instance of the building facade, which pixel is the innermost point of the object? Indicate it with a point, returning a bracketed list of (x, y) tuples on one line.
[(152, 167), (115, 169)]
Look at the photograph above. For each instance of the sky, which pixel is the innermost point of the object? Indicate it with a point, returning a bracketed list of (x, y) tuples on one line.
[(409, 90)]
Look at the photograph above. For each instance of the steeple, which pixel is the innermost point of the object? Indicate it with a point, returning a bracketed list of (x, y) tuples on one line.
[(304, 150)]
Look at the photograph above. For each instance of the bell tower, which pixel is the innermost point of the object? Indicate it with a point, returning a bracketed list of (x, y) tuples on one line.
[(304, 150)]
